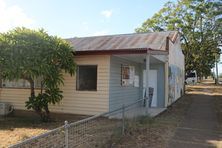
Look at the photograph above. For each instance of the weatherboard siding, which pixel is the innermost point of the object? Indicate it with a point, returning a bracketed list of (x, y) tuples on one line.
[(17, 97), (119, 94), (75, 102)]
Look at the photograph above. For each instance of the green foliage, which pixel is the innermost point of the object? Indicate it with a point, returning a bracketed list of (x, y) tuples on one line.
[(33, 54), (200, 25)]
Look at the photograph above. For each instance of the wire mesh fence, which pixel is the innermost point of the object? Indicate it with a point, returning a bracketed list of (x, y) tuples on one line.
[(51, 139), (95, 131)]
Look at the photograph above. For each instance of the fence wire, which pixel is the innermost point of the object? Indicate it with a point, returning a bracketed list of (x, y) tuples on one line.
[(52, 139), (95, 131)]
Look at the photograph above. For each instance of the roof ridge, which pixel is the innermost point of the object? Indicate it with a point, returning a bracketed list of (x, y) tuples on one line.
[(120, 34)]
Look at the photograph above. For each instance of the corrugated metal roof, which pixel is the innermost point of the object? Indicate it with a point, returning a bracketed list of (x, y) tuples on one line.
[(136, 41)]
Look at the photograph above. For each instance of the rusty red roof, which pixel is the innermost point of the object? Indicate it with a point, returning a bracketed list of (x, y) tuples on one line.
[(135, 41)]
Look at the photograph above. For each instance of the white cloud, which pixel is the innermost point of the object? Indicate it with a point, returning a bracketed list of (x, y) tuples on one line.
[(102, 32), (13, 16), (107, 13)]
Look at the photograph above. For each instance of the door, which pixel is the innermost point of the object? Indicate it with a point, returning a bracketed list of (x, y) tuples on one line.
[(152, 83)]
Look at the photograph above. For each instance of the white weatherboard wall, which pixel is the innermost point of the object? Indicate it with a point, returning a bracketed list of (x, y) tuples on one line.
[(17, 97), (176, 71), (76, 102)]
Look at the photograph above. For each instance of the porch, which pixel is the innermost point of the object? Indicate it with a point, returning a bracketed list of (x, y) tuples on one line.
[(150, 70)]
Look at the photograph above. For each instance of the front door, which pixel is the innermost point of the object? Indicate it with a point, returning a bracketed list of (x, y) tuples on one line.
[(152, 83)]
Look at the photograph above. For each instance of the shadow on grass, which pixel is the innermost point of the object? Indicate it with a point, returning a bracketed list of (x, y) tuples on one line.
[(34, 122)]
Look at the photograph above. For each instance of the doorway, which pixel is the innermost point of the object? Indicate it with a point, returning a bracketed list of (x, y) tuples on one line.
[(152, 83)]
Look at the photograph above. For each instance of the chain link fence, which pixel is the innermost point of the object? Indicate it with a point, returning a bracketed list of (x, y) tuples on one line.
[(95, 131)]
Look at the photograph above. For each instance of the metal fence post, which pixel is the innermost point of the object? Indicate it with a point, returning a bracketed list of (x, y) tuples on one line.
[(123, 119), (66, 134)]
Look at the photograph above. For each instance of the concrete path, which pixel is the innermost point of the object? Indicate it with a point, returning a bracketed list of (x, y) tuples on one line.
[(199, 129)]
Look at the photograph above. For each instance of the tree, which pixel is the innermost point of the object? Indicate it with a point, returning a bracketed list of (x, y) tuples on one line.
[(200, 25), (33, 54)]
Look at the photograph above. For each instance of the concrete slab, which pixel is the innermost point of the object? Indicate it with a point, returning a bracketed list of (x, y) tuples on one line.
[(139, 111)]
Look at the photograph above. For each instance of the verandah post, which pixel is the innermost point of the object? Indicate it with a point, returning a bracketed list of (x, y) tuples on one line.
[(147, 80)]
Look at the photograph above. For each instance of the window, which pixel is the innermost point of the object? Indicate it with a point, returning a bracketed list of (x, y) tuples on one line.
[(87, 77), (191, 75), (21, 83)]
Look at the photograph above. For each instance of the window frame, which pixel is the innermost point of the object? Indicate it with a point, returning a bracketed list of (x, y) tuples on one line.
[(19, 87), (77, 78)]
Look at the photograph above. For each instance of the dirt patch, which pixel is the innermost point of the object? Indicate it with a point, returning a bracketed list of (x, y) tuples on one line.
[(146, 132), (142, 132), (158, 131), (16, 129), (212, 90), (218, 105), (13, 130)]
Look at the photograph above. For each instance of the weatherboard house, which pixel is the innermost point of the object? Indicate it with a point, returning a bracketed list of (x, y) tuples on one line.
[(114, 70)]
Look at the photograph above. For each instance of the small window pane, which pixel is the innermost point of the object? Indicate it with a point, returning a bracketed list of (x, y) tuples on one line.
[(87, 78)]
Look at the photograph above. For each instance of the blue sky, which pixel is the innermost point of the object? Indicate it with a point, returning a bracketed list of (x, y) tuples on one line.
[(77, 18), (69, 18)]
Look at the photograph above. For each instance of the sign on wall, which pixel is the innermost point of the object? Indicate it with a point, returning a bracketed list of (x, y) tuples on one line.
[(125, 70), (132, 74), (136, 81), (128, 76)]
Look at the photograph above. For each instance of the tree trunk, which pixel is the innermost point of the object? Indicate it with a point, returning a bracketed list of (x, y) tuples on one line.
[(47, 113), (32, 85), (32, 88)]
